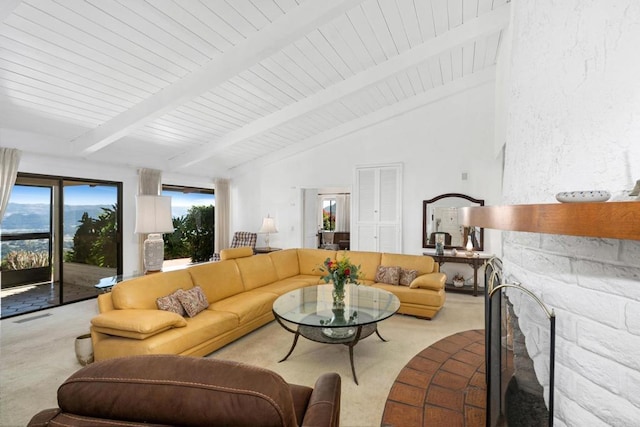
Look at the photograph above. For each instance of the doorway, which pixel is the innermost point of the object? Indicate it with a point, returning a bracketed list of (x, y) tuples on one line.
[(59, 236)]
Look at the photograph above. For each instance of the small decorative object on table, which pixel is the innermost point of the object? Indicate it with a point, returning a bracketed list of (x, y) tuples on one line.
[(440, 240), (469, 247), (339, 273), (458, 280)]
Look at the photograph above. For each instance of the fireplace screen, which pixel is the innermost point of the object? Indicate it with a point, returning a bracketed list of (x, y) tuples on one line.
[(515, 397)]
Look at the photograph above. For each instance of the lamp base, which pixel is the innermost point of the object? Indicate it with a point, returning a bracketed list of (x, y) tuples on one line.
[(153, 253)]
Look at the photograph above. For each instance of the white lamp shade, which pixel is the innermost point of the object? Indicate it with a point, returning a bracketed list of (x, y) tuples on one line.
[(268, 226), (153, 214)]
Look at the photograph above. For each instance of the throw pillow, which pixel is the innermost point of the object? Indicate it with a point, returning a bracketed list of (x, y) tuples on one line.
[(171, 303), (193, 301), (389, 275), (407, 276)]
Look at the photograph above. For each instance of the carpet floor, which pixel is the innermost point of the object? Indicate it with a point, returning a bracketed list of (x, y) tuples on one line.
[(37, 355)]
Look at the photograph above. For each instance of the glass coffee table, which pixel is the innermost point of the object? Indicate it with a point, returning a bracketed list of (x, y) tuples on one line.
[(319, 319)]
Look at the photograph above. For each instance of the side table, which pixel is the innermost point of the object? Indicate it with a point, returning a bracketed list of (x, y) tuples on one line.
[(475, 262)]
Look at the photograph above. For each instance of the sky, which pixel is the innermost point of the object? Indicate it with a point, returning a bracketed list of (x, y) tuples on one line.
[(99, 195)]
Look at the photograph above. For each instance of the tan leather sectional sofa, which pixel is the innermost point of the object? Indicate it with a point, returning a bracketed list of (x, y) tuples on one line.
[(240, 291)]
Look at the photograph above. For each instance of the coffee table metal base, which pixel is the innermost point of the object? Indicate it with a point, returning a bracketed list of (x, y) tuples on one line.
[(315, 333)]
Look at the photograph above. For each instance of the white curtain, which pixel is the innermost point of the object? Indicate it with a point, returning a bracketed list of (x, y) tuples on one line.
[(9, 161), (221, 222), (149, 183), (343, 212)]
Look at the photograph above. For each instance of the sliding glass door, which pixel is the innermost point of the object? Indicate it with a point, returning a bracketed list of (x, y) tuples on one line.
[(91, 241), (59, 236)]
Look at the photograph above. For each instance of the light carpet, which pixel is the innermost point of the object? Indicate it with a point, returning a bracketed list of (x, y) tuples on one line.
[(37, 355)]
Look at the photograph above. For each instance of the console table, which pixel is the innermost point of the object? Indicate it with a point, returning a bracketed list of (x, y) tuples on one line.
[(475, 262)]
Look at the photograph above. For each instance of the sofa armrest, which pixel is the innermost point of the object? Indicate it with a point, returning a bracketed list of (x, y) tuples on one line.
[(42, 418), (137, 324), (433, 281), (324, 403)]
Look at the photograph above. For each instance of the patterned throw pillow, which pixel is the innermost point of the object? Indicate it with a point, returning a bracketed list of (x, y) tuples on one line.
[(407, 276), (171, 303), (390, 275), (193, 301)]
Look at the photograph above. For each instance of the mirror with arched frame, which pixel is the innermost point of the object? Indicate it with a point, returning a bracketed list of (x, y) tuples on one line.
[(440, 214)]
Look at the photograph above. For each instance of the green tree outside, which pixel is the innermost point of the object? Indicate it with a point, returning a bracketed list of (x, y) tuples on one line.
[(95, 242), (193, 235)]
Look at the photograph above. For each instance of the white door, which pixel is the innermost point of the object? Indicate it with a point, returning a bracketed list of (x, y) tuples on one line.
[(377, 205), (310, 217)]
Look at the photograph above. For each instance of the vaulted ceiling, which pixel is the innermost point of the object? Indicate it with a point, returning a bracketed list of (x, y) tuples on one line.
[(206, 86)]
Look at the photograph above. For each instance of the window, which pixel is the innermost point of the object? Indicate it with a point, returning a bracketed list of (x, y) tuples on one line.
[(192, 210), (329, 214)]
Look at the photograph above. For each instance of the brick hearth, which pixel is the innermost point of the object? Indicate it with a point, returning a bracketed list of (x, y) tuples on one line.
[(443, 385)]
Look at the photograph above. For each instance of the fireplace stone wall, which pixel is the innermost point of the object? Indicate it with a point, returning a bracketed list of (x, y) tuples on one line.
[(568, 77)]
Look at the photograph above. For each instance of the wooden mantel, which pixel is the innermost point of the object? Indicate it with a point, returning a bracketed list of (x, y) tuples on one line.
[(612, 220)]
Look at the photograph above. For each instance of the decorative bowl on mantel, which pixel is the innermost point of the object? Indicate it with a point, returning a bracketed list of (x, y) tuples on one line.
[(583, 196)]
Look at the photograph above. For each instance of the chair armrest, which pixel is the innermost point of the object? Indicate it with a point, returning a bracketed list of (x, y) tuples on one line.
[(42, 418), (324, 403)]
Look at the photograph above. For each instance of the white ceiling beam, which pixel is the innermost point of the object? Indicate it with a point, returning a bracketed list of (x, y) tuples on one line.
[(484, 25), (460, 85), (262, 44)]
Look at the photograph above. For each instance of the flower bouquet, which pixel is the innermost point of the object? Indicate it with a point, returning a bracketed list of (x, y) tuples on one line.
[(340, 273)]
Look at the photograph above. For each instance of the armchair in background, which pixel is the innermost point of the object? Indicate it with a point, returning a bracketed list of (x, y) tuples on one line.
[(240, 239)]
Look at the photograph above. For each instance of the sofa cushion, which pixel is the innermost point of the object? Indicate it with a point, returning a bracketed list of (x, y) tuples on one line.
[(247, 306), (285, 263), (407, 276), (137, 324), (283, 286), (407, 295), (368, 262), (207, 327), (218, 280), (424, 264), (310, 260), (390, 275), (256, 271), (171, 303), (142, 292), (193, 301)]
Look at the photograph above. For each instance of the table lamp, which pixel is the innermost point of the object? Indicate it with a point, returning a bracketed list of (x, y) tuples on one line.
[(153, 217), (268, 227)]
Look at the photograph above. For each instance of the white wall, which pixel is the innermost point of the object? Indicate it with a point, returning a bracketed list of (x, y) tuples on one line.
[(573, 123), (435, 144)]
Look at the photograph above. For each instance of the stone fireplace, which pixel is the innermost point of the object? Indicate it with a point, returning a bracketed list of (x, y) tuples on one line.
[(567, 108)]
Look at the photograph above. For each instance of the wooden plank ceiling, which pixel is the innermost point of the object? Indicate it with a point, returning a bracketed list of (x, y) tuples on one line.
[(206, 86)]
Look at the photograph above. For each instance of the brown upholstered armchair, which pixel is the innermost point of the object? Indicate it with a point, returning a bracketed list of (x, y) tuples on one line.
[(163, 390), (239, 240)]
